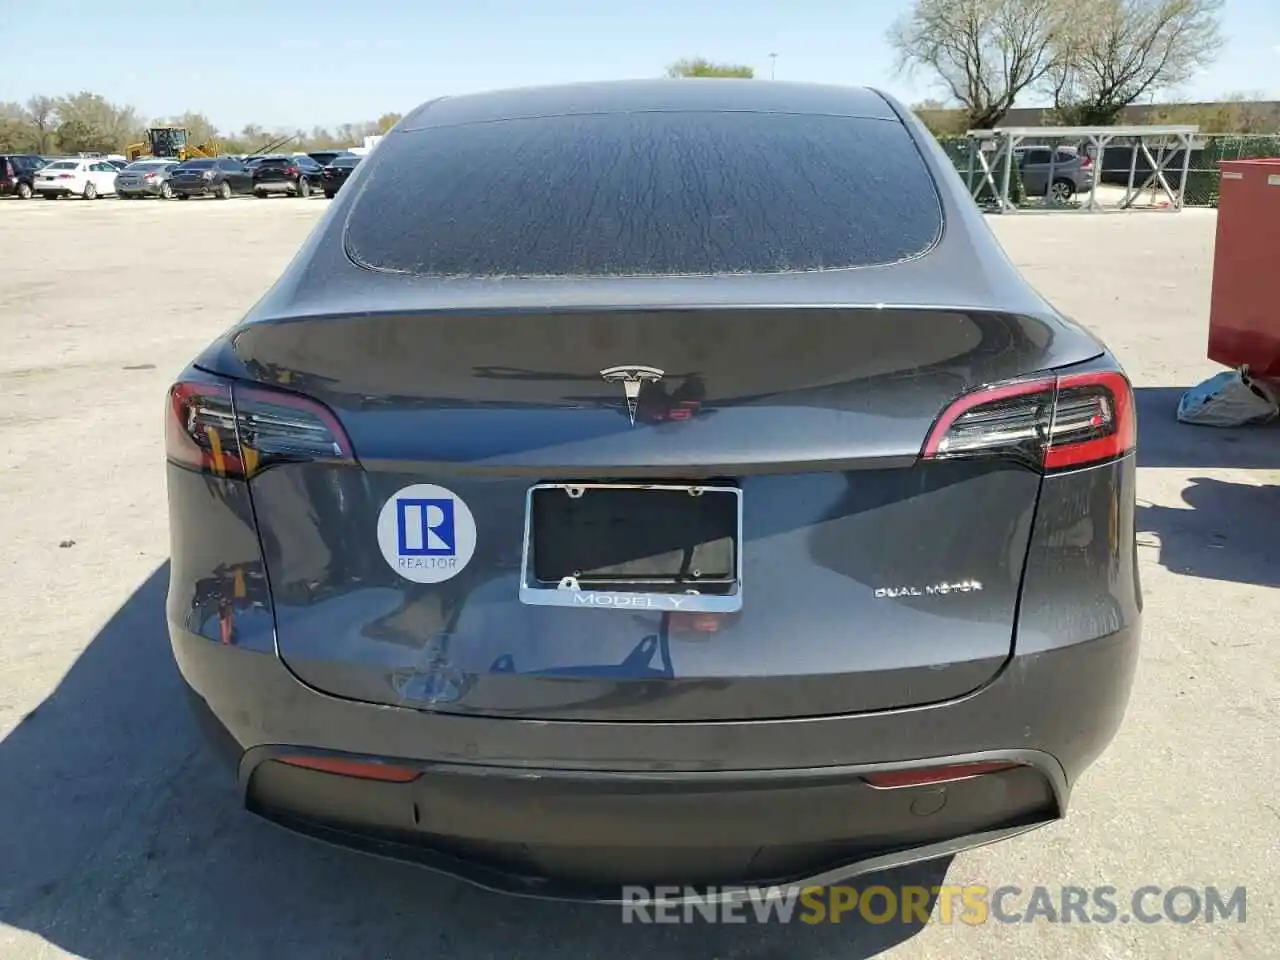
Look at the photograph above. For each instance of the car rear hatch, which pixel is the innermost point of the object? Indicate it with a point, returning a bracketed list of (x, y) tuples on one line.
[(411, 564), (272, 171)]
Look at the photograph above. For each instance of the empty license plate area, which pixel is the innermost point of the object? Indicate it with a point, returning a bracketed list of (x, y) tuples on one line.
[(657, 546)]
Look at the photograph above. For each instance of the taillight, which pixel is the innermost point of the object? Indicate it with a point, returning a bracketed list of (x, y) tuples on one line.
[(292, 171), (239, 432), (1086, 161), (1051, 423), (8, 170)]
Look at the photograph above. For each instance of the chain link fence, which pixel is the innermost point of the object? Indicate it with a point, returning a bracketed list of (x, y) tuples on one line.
[(1203, 173)]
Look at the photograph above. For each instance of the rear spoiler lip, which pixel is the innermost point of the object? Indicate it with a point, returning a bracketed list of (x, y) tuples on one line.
[(221, 358)]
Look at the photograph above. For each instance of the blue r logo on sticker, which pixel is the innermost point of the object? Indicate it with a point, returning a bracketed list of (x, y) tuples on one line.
[(425, 528)]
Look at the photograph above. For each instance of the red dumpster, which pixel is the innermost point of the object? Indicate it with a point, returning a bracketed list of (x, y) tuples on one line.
[(1244, 313)]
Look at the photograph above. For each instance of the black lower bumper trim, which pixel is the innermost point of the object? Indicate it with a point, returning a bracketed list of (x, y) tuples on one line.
[(581, 837), (498, 881)]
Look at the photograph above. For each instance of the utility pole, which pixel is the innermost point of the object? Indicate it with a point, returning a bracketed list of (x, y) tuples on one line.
[(773, 65)]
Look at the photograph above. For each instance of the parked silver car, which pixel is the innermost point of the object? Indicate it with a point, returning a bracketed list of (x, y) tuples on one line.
[(1065, 170), (145, 178)]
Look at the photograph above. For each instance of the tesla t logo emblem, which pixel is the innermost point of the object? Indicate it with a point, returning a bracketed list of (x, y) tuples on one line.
[(632, 379)]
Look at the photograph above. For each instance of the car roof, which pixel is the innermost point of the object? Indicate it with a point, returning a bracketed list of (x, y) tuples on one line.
[(629, 96)]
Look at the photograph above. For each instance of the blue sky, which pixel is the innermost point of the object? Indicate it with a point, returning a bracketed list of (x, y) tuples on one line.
[(339, 62)]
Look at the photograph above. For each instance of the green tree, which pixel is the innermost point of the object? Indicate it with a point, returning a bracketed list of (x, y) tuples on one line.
[(87, 122), (91, 118), (1116, 52), (1239, 113), (702, 67), (942, 121), (18, 136), (76, 136)]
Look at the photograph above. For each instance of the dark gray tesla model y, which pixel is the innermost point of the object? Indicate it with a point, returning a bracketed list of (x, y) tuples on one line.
[(655, 482)]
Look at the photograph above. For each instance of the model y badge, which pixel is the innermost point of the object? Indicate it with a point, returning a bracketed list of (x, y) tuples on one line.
[(632, 379)]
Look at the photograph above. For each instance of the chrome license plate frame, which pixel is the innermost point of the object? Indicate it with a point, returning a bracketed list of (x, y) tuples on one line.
[(569, 593)]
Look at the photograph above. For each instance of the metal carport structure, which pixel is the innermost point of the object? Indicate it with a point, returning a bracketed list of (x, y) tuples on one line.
[(1005, 140)]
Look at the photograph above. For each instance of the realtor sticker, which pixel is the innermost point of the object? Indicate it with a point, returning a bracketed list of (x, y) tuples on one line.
[(426, 533)]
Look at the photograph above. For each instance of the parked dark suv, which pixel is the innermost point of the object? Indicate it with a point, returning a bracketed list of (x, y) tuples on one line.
[(326, 157), (17, 174), (336, 172), (296, 176)]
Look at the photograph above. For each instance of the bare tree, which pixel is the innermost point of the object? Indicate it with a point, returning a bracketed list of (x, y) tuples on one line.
[(1117, 52), (42, 112), (983, 53)]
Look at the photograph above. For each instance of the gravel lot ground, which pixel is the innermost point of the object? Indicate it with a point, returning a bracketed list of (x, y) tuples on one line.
[(120, 838)]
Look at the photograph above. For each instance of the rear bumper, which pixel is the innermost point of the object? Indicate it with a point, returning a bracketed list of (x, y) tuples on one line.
[(575, 810), (567, 835), (276, 186), (139, 190), (192, 190)]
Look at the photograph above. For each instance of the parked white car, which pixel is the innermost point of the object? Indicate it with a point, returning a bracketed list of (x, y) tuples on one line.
[(88, 178)]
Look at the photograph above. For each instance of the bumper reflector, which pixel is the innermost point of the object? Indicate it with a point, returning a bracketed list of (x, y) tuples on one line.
[(362, 770), (926, 776)]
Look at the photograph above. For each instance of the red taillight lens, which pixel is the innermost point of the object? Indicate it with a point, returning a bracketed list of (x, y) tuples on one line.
[(8, 170), (1052, 423), (65, 176), (239, 432)]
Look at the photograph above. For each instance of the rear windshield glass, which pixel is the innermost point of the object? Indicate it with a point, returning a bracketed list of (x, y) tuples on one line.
[(671, 193), (64, 165), (345, 161), (196, 165)]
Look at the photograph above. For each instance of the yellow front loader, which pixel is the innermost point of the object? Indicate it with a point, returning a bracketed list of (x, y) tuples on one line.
[(171, 143)]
